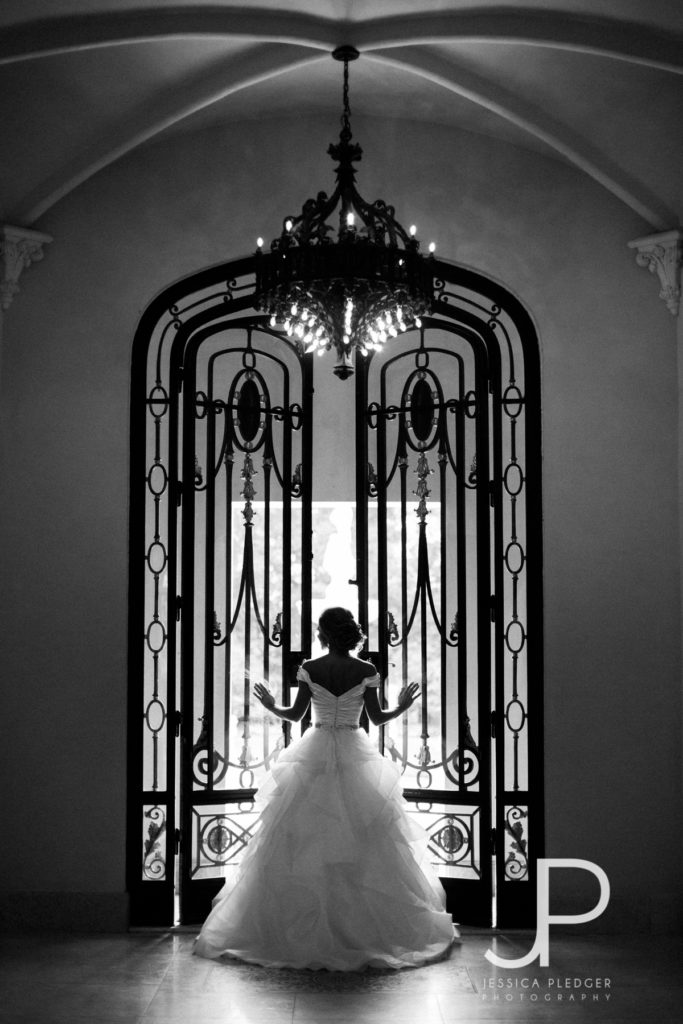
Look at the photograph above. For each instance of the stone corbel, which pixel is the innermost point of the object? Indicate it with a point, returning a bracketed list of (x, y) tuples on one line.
[(19, 248), (662, 255)]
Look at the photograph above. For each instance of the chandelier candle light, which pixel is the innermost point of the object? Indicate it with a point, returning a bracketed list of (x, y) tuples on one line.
[(357, 292)]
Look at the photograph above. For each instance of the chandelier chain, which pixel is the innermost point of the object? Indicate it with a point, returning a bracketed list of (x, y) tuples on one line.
[(346, 116)]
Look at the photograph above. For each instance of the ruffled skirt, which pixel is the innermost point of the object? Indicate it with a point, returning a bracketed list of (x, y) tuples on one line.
[(337, 875)]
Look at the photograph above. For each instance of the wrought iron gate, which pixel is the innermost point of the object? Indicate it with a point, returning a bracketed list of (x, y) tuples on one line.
[(448, 573)]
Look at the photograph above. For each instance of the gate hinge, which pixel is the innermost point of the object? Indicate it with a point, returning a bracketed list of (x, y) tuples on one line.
[(492, 493), (493, 841), (493, 725), (178, 719), (179, 493), (178, 607), (181, 370), (178, 839)]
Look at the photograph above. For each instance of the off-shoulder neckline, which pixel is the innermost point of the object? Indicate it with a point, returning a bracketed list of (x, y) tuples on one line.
[(364, 681)]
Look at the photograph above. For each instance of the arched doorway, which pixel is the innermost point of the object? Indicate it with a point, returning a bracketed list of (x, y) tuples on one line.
[(261, 486)]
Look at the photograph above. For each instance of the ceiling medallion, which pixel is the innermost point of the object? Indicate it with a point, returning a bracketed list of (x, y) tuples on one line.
[(353, 293)]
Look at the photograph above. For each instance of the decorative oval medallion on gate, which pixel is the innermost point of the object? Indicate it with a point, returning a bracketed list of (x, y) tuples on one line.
[(450, 839), (513, 479), (158, 401), (421, 399), (421, 410), (155, 715), (514, 558), (157, 479), (249, 410), (515, 637), (218, 839), (513, 401), (156, 557), (249, 403), (515, 715), (156, 636)]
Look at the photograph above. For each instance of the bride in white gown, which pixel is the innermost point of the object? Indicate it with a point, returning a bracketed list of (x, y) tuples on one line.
[(337, 875)]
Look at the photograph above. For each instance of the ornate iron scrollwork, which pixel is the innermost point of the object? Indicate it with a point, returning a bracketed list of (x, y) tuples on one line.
[(276, 633), (248, 491), (207, 769), (393, 636), (222, 837), (297, 482), (451, 838), (154, 861), (422, 491), (216, 632), (372, 481), (472, 475), (516, 862)]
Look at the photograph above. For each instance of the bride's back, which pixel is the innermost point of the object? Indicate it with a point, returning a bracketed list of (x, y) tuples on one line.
[(339, 673)]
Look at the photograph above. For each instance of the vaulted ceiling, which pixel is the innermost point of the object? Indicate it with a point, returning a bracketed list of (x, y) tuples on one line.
[(594, 83)]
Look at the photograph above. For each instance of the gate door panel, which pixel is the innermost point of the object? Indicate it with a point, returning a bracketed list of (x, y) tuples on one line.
[(428, 590), (157, 489), (246, 589), (512, 484), (449, 478)]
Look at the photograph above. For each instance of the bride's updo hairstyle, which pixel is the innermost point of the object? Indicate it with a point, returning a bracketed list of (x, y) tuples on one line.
[(339, 630)]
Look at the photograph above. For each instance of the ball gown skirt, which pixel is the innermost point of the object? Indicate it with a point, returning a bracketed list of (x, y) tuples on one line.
[(337, 874)]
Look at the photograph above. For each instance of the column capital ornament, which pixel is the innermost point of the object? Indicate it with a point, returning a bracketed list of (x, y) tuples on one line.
[(662, 254), (19, 248)]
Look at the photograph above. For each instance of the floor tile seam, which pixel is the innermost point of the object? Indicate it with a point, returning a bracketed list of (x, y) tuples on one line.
[(156, 993)]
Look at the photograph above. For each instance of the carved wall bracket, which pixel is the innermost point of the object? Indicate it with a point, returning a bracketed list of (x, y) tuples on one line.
[(662, 254), (19, 248)]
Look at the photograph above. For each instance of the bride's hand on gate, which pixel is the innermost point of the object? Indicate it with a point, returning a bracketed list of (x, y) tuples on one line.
[(407, 695), (265, 696)]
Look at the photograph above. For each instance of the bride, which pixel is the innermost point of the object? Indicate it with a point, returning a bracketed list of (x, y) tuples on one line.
[(337, 875)]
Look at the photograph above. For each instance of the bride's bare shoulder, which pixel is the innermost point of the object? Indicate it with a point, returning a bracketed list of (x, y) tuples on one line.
[(364, 668), (314, 663)]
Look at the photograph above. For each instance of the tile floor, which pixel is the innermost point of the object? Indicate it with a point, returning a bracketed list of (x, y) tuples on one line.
[(152, 978)]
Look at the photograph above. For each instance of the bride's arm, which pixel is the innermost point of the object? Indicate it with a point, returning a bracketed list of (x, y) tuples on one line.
[(379, 715), (295, 712)]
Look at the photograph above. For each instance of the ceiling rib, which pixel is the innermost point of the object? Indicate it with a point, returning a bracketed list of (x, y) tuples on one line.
[(85, 31), (630, 41), (250, 69), (603, 36), (534, 120), (265, 62)]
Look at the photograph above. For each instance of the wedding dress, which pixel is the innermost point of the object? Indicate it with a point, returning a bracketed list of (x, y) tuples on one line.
[(337, 875)]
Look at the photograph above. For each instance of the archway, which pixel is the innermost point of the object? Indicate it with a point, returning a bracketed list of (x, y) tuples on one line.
[(441, 504)]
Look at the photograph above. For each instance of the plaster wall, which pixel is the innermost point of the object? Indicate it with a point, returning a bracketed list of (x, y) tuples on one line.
[(609, 378)]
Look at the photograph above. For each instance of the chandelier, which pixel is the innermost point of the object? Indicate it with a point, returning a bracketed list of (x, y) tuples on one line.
[(353, 293)]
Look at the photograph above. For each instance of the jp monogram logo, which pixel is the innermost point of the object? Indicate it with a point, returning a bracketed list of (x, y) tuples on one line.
[(541, 947)]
